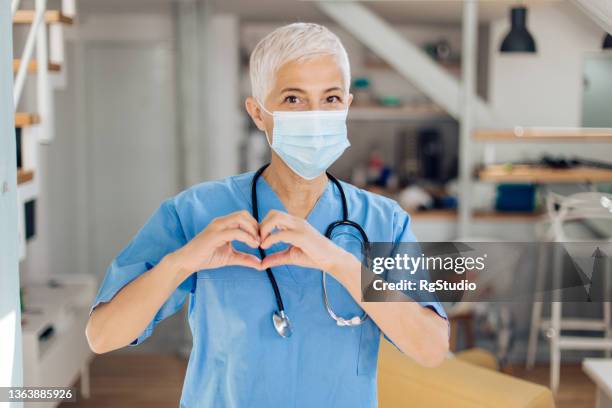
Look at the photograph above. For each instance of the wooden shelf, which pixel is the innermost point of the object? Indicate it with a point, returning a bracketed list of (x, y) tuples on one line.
[(378, 64), (51, 17), (543, 175), (23, 176), (26, 119), (33, 66), (451, 215), (541, 135), (426, 111)]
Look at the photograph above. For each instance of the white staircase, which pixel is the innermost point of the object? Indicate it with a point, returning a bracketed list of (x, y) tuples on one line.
[(42, 56)]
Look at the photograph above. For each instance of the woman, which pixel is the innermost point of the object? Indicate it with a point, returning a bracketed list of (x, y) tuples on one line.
[(205, 244)]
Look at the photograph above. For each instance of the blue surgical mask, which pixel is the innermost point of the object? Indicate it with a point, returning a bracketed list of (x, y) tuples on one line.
[(309, 141)]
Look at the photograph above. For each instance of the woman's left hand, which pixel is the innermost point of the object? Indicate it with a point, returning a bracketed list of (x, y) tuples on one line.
[(308, 247)]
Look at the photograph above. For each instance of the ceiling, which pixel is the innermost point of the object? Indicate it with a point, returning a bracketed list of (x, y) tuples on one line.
[(396, 11)]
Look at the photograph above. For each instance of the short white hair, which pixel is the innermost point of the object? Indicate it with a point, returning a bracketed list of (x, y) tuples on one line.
[(293, 42)]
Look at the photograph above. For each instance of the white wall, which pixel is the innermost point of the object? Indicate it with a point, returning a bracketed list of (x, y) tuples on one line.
[(544, 89), (115, 157), (10, 316)]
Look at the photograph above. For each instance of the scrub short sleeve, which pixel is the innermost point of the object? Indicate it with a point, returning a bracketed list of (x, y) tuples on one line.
[(161, 235), (402, 233)]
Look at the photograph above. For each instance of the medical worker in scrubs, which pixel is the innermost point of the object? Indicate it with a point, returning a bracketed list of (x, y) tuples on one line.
[(203, 246)]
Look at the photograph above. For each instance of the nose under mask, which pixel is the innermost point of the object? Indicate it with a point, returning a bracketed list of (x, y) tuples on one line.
[(309, 141)]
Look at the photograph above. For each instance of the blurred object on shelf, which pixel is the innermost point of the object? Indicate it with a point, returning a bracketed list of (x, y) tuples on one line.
[(415, 198), (448, 202), (408, 157), (439, 50), (390, 101), (380, 173), (561, 162), (516, 197), (431, 150), (430, 154), (362, 92)]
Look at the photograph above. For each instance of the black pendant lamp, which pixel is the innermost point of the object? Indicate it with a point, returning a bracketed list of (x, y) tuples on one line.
[(607, 42), (518, 39)]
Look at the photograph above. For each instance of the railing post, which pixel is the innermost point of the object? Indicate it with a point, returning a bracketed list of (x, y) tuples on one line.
[(466, 119), (43, 86), (39, 16)]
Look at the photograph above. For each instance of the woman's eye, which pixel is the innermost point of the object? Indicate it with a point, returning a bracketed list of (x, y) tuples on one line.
[(333, 99), (292, 99)]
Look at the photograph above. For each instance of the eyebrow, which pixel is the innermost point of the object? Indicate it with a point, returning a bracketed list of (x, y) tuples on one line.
[(292, 90), (334, 88)]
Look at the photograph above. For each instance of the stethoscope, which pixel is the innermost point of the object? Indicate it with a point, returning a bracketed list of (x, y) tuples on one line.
[(280, 320)]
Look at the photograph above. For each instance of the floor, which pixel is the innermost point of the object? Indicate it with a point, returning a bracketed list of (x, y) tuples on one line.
[(155, 381), (575, 390)]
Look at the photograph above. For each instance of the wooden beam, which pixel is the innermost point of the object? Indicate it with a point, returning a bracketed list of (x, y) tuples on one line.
[(26, 119), (33, 66), (541, 135), (51, 17), (23, 176), (521, 173), (406, 58)]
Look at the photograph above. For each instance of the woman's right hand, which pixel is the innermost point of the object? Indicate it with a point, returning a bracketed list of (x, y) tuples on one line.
[(212, 247)]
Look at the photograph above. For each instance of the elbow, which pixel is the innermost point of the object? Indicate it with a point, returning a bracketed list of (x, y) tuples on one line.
[(435, 354), (95, 339), (430, 351)]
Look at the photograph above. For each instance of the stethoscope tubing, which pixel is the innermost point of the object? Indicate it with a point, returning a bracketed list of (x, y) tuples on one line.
[(328, 234), (262, 253)]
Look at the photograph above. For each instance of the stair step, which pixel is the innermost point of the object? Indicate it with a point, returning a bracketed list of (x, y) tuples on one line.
[(51, 16), (23, 176), (23, 119), (33, 66)]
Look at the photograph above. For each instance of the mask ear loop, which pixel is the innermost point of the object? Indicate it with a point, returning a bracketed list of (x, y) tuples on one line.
[(263, 108)]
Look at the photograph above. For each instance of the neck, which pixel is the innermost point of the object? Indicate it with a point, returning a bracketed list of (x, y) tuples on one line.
[(298, 195)]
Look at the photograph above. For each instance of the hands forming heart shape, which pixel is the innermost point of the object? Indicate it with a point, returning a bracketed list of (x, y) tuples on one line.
[(212, 247)]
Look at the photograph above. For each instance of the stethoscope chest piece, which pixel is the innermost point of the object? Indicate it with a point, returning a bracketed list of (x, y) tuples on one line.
[(281, 324)]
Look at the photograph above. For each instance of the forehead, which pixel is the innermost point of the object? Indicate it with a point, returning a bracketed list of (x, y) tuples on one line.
[(310, 74)]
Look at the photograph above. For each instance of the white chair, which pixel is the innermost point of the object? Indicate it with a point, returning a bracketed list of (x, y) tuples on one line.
[(561, 211)]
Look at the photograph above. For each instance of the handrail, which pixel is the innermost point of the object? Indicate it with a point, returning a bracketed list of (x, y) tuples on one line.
[(39, 16), (14, 7)]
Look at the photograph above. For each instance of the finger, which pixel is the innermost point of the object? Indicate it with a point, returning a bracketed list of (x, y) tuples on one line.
[(244, 259), (242, 220), (287, 236), (236, 234), (277, 259), (276, 220)]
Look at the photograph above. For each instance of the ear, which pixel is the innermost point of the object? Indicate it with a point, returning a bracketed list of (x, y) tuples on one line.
[(255, 113), (349, 100)]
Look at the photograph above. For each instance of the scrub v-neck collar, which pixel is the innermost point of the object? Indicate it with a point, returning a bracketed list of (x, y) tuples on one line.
[(326, 210)]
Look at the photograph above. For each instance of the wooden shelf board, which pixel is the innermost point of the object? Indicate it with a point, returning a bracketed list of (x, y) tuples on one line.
[(51, 16), (452, 67), (541, 135), (451, 215), (23, 119), (23, 176), (33, 66), (543, 175)]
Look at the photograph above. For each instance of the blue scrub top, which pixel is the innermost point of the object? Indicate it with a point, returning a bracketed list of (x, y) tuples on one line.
[(238, 359)]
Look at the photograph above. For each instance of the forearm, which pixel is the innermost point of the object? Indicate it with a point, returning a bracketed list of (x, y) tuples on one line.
[(418, 331), (117, 323)]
